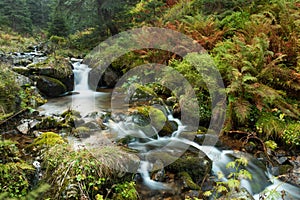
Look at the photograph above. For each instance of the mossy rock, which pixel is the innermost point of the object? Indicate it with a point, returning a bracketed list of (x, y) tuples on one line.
[(21, 70), (47, 140), (54, 67), (188, 181), (148, 114), (141, 93), (70, 112), (198, 167), (50, 87), (48, 123), (81, 131)]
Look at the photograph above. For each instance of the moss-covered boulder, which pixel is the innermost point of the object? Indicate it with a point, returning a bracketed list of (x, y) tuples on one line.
[(49, 86), (54, 76), (197, 167), (150, 117)]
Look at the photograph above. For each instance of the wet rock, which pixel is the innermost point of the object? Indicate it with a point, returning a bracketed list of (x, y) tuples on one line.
[(50, 87), (168, 128), (33, 123), (198, 167), (24, 128), (23, 80), (22, 62), (73, 60), (281, 160), (280, 153), (51, 75), (171, 101), (21, 70), (92, 125), (81, 132), (188, 182), (208, 139), (159, 175)]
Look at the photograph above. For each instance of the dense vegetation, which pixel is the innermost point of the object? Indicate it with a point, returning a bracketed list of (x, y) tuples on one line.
[(255, 45)]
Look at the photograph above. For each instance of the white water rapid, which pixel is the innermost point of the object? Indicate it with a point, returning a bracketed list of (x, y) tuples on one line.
[(151, 148)]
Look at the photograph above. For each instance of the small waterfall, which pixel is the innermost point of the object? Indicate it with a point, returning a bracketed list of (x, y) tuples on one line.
[(82, 99), (81, 72), (85, 100)]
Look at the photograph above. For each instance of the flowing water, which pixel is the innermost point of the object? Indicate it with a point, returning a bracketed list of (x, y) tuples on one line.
[(83, 99), (151, 146)]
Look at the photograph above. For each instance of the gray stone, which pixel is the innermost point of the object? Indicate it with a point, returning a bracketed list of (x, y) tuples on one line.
[(24, 128), (23, 80)]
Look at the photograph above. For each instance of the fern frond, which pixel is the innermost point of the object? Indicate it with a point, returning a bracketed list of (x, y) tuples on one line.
[(242, 110)]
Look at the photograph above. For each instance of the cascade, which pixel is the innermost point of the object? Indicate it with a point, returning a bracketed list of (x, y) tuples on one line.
[(81, 72)]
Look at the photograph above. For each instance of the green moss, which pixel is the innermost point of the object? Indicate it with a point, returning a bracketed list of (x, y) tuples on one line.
[(48, 123), (54, 81), (80, 130), (47, 140), (189, 181), (60, 67)]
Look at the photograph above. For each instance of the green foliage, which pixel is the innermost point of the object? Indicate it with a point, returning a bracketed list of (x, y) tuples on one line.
[(32, 195), (8, 90), (233, 180), (31, 98), (76, 174), (270, 126), (182, 9), (85, 39), (125, 191), (271, 144), (291, 134), (11, 41), (14, 172), (9, 151), (147, 12), (58, 26), (235, 21), (242, 66)]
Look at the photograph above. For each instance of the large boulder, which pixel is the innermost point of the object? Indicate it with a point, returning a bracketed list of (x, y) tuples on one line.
[(49, 86), (190, 163), (53, 76)]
